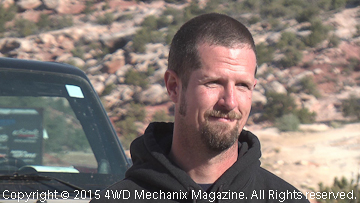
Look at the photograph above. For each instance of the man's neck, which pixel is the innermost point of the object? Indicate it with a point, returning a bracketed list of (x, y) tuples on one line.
[(204, 166)]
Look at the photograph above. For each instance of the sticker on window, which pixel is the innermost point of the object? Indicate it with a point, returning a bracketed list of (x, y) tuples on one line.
[(74, 91)]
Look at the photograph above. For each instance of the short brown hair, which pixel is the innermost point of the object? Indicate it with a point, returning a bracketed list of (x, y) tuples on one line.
[(211, 28)]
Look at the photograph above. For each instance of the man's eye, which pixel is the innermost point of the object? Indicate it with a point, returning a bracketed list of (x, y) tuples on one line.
[(243, 85), (212, 84)]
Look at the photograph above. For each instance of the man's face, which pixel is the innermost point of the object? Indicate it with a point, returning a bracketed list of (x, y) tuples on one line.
[(217, 100)]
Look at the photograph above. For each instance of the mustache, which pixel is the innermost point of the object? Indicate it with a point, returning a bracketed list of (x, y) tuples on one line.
[(232, 115)]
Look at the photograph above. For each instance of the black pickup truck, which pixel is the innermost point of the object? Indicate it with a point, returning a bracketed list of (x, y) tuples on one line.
[(56, 140)]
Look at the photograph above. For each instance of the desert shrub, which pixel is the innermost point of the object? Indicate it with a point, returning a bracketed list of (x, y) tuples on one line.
[(78, 51), (24, 27), (251, 4), (150, 22), (264, 53), (62, 22), (108, 89), (336, 4), (88, 7), (275, 24), (253, 19), (127, 125), (163, 21), (176, 14), (277, 106), (357, 34), (324, 4), (288, 122), (140, 39), (354, 64), (307, 14), (136, 111), (334, 41), (6, 15), (161, 116), (133, 77), (292, 57), (350, 188), (44, 22), (351, 107), (274, 10), (192, 10), (106, 19), (175, 1), (309, 86), (305, 116), (128, 131), (319, 33), (289, 39)]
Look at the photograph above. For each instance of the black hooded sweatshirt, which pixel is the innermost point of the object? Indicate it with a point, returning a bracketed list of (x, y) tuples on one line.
[(155, 178)]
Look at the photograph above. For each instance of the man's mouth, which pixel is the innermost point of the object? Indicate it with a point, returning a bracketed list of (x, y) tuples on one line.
[(218, 115)]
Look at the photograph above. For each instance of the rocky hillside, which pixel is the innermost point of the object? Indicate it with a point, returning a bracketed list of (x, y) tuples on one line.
[(123, 48)]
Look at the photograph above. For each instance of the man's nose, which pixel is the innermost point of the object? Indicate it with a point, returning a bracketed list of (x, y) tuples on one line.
[(228, 99)]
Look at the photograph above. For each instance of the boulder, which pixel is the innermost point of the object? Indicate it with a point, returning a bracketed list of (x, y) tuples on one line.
[(276, 86), (258, 98), (28, 4), (114, 62), (7, 3), (65, 6), (47, 39), (155, 94)]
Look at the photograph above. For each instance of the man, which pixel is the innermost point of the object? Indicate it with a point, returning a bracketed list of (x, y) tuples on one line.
[(205, 156)]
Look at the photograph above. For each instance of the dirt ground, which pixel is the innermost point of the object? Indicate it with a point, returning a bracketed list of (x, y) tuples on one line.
[(307, 158)]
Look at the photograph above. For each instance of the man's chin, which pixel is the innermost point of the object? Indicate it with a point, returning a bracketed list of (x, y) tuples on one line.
[(220, 136)]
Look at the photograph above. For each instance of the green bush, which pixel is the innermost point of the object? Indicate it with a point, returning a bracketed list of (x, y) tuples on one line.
[(334, 41), (128, 131), (106, 19), (136, 111), (336, 4), (78, 51), (150, 22), (289, 39), (133, 77), (357, 34), (277, 106), (350, 188), (251, 5), (264, 53), (288, 122), (6, 15), (292, 57), (354, 64), (44, 22), (127, 124), (62, 22), (307, 14), (319, 33), (309, 86), (305, 116), (274, 10), (140, 39), (88, 7), (351, 107), (161, 116), (24, 27)]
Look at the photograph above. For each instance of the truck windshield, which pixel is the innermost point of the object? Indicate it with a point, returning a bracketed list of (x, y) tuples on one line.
[(53, 124)]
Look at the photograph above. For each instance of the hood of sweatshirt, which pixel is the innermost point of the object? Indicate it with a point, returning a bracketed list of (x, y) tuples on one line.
[(153, 170)]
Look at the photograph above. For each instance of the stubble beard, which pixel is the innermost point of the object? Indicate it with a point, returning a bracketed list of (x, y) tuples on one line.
[(217, 137)]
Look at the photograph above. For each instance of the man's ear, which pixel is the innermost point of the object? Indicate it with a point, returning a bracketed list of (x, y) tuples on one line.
[(172, 83)]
